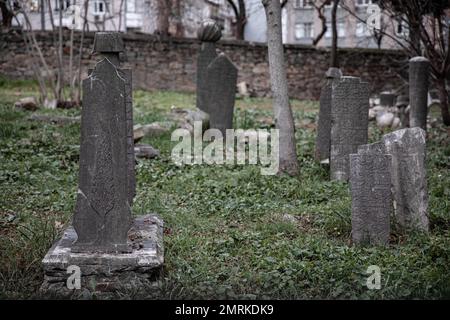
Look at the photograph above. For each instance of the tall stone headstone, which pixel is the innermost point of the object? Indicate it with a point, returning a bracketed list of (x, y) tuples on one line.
[(110, 249), (409, 180), (370, 184), (106, 181), (322, 151), (208, 33), (216, 79), (221, 78), (349, 123), (418, 91)]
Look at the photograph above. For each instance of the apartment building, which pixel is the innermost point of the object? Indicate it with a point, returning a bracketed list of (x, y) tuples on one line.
[(301, 24), (126, 15), (304, 24)]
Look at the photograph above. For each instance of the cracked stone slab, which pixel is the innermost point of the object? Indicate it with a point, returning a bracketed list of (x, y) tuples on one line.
[(103, 275), (409, 177)]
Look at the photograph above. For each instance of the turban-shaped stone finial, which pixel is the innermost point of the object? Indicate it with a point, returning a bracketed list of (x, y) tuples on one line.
[(209, 31)]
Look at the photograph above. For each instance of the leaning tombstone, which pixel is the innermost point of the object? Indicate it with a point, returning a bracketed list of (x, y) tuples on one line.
[(216, 79), (418, 91), (221, 77), (110, 251), (409, 180), (349, 123), (370, 184), (322, 151), (208, 33)]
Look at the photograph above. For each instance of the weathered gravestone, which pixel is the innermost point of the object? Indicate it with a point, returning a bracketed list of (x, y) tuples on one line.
[(407, 148), (349, 123), (208, 33), (370, 184), (387, 99), (372, 148), (418, 91), (216, 79), (409, 181), (221, 77), (112, 250), (324, 123)]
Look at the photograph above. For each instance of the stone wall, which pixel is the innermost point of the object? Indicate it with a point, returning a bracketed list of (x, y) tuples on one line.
[(171, 64)]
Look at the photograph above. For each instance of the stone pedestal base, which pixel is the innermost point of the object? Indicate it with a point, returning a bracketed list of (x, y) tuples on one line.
[(105, 275)]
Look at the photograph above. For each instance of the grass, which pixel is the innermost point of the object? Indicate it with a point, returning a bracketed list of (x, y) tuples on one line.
[(225, 231)]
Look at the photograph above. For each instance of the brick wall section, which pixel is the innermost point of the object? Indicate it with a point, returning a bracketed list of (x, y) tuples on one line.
[(171, 64)]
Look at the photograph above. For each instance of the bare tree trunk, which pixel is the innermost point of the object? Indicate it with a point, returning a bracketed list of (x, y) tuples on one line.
[(52, 21), (414, 38), (240, 27), (71, 79), (30, 40), (80, 55), (178, 11), (284, 119), (122, 12), (241, 21), (323, 19), (36, 71), (334, 63), (7, 15), (443, 97), (42, 5), (163, 23), (241, 17), (60, 83)]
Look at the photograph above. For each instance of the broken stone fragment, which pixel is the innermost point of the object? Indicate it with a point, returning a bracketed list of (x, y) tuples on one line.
[(28, 103), (154, 129), (187, 117), (385, 120), (243, 89), (138, 133), (145, 151)]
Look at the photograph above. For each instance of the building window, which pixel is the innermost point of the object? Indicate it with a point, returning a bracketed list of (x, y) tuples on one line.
[(340, 26), (62, 3), (401, 27), (362, 30), (135, 6), (363, 3), (131, 6), (304, 30), (99, 8), (303, 4)]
